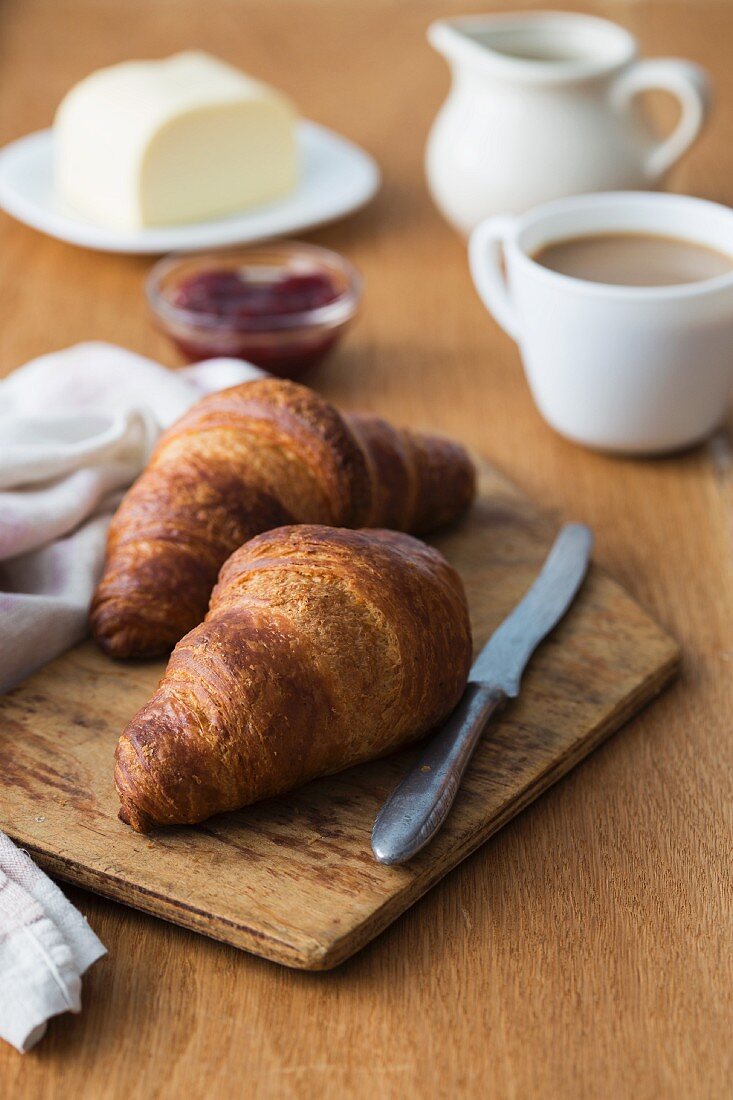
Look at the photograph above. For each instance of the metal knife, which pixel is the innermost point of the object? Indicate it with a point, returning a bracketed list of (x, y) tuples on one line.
[(417, 808)]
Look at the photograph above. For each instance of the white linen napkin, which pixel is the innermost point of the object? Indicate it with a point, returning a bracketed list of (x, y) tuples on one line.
[(76, 428), (45, 947)]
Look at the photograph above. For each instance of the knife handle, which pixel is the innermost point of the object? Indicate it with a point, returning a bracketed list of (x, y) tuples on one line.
[(417, 808)]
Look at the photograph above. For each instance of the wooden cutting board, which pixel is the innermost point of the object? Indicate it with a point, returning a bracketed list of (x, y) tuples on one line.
[(293, 879)]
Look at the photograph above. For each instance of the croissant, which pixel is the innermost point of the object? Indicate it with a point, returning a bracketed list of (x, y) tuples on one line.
[(323, 647), (245, 460)]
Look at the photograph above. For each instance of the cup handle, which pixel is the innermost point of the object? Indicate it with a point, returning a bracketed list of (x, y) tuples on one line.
[(485, 249), (691, 86)]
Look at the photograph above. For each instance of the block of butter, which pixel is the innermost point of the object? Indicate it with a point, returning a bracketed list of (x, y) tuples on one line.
[(149, 143)]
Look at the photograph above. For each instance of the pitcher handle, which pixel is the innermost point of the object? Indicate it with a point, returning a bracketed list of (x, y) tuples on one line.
[(686, 81), (485, 250)]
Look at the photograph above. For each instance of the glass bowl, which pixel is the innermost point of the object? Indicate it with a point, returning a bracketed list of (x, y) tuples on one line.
[(282, 306)]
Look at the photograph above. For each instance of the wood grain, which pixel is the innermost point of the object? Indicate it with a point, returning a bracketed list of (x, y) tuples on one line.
[(586, 950), (293, 878)]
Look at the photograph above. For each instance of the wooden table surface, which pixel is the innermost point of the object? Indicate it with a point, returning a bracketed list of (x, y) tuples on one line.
[(586, 950)]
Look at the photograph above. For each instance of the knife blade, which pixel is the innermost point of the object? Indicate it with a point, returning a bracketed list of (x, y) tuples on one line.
[(417, 808)]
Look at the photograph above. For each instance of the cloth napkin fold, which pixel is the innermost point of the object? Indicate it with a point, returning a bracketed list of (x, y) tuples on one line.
[(45, 947), (76, 428)]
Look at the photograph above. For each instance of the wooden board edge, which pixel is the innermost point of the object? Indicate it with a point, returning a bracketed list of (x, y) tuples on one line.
[(317, 955), (353, 941), (182, 914)]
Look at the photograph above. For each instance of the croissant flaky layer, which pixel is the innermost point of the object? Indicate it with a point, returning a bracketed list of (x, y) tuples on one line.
[(323, 647), (243, 461)]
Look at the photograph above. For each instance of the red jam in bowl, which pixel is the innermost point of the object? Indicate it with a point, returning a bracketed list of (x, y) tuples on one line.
[(280, 306), (242, 298)]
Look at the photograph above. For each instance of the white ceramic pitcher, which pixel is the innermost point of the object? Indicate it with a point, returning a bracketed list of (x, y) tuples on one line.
[(544, 105)]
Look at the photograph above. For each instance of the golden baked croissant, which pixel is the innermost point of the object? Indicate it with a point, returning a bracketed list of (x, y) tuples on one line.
[(243, 461), (323, 647)]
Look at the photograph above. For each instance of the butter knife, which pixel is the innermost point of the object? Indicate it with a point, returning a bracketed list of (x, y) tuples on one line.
[(417, 808)]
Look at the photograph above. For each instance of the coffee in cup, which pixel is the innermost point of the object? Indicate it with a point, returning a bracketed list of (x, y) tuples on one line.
[(634, 259)]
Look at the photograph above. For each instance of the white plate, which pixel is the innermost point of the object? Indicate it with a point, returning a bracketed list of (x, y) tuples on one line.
[(337, 177)]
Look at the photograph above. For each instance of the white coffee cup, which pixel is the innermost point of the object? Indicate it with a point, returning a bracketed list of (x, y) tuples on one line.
[(620, 368)]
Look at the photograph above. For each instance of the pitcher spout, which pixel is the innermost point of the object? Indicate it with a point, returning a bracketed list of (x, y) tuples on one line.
[(451, 38), (534, 46)]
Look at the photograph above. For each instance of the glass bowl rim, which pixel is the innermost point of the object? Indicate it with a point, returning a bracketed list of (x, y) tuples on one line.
[(333, 313)]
